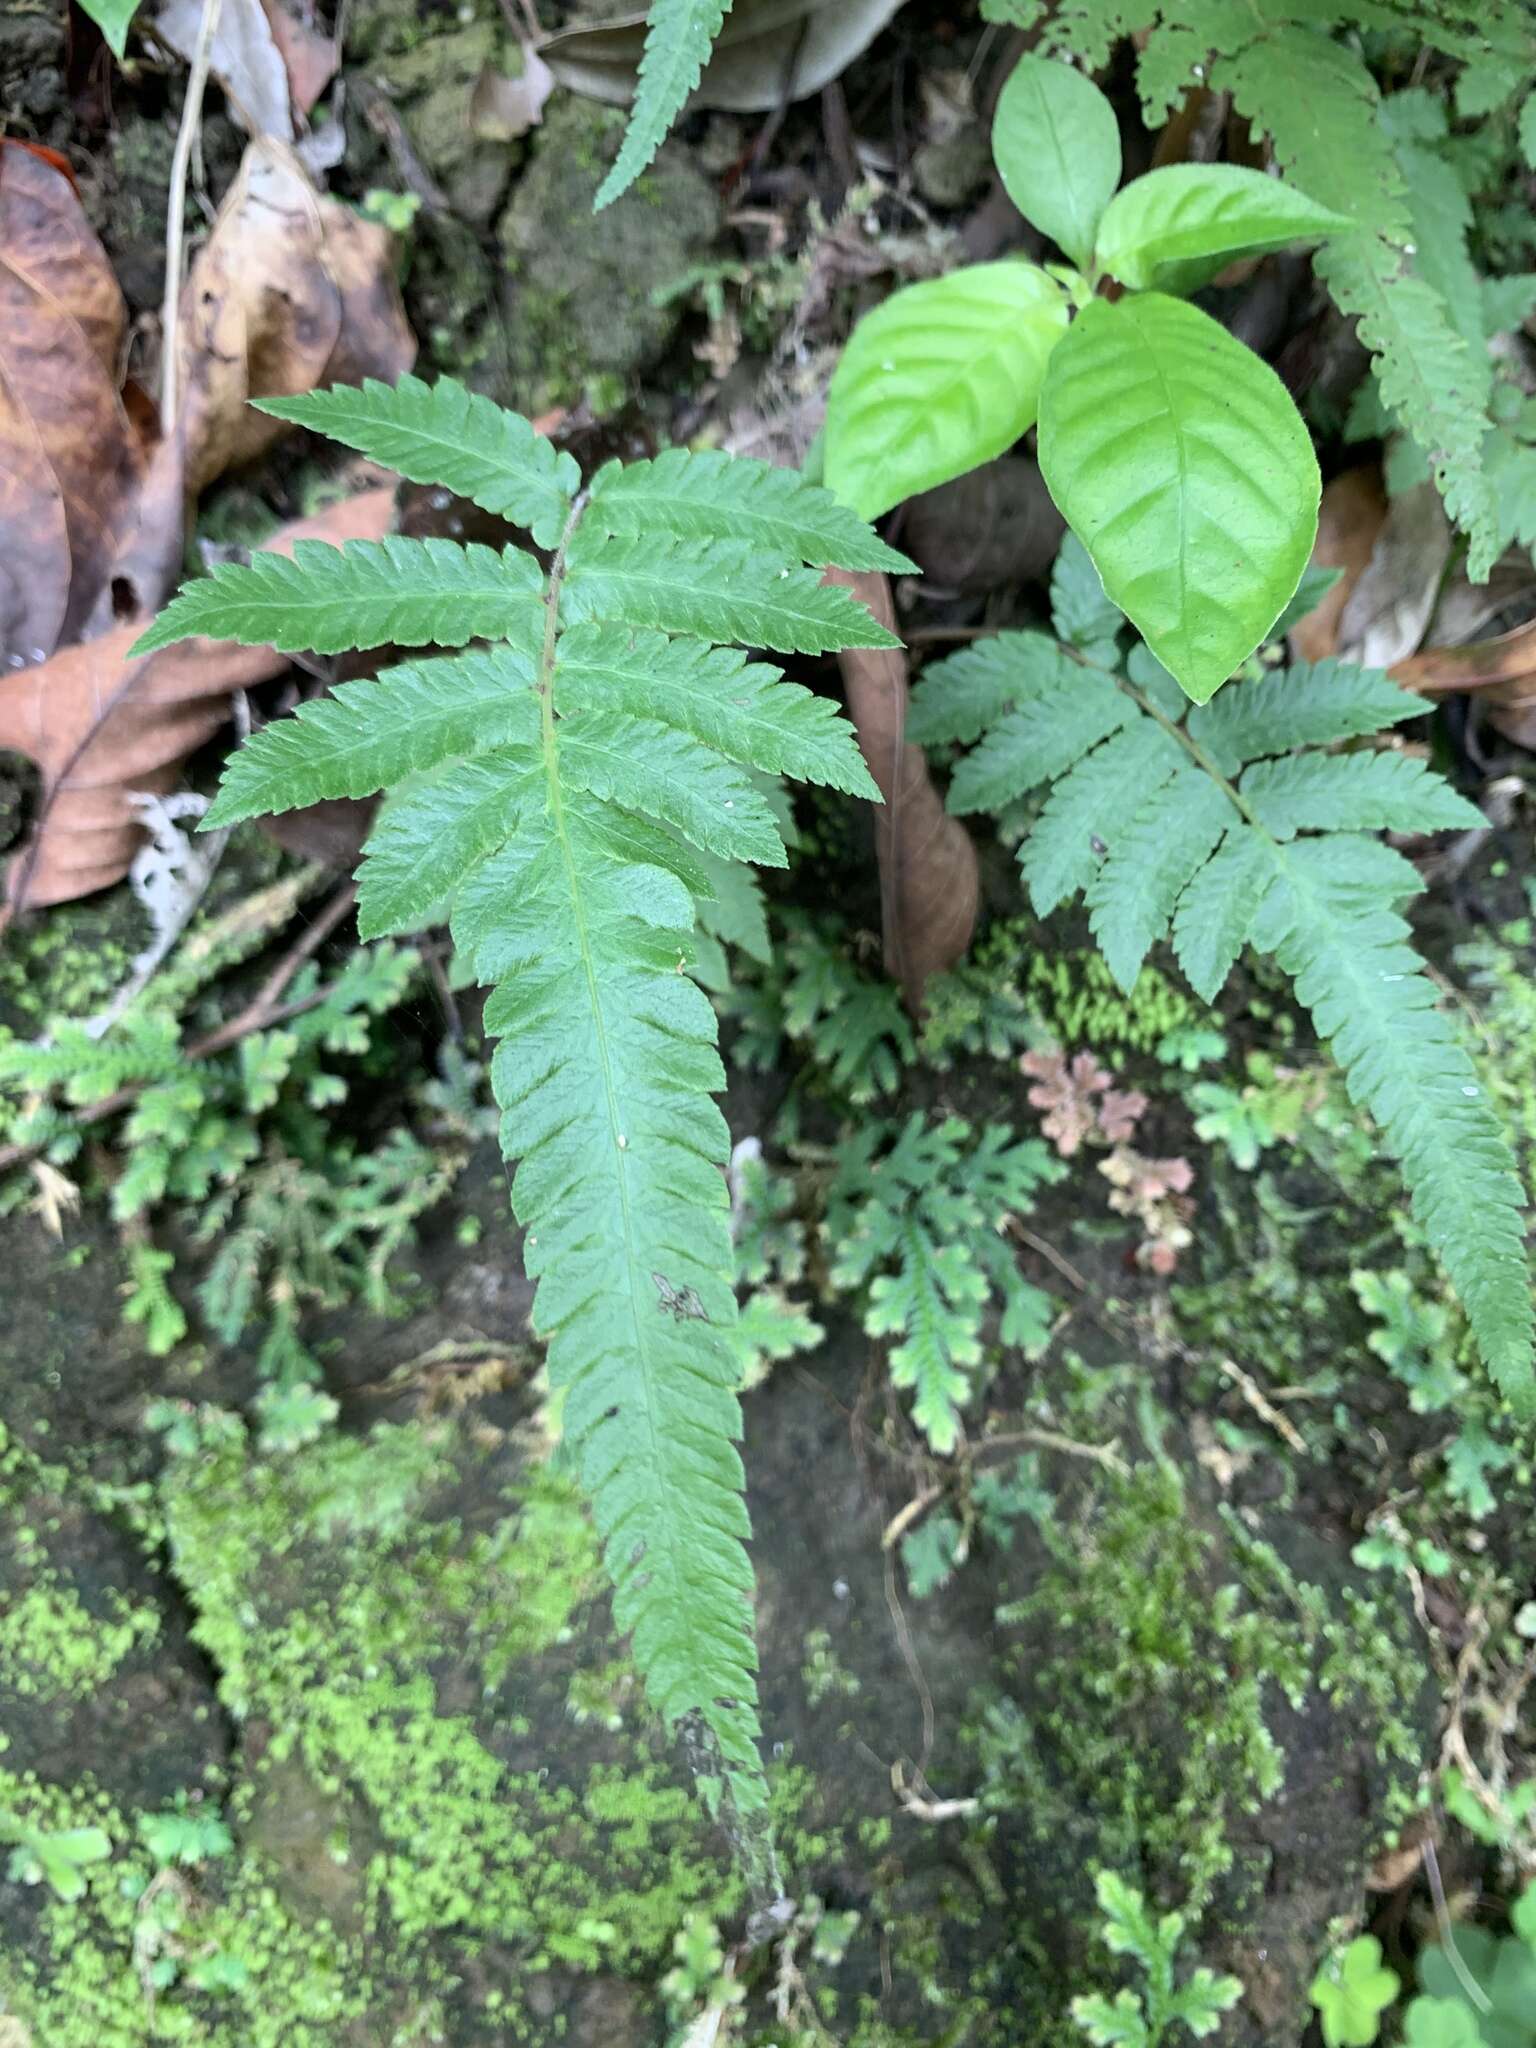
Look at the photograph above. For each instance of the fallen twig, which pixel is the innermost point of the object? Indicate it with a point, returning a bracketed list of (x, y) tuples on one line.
[(176, 212)]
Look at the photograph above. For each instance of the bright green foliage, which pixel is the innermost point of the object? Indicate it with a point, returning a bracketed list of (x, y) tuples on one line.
[(1504, 1969), (1174, 229), (678, 40), (1056, 143), (1351, 1992), (59, 1858), (943, 376), (563, 845), (112, 18), (1162, 2009), (1180, 461), (1177, 829), (916, 1216)]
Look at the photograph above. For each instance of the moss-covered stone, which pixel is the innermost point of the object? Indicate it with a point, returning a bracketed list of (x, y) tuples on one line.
[(582, 315)]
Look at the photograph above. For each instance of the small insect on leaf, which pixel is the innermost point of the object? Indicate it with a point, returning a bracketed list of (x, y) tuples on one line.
[(683, 1303)]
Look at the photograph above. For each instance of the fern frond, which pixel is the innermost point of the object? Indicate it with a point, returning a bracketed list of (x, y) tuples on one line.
[(708, 495), (718, 590), (1234, 829), (743, 710), (368, 735), (960, 697), (442, 434), (1373, 792), (430, 836), (1037, 742), (408, 593), (678, 41), (575, 794)]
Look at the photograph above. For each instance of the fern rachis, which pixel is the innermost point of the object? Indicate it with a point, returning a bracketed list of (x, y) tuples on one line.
[(565, 792), (1230, 826)]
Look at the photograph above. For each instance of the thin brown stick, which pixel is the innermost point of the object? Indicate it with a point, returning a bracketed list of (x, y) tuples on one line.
[(176, 211)]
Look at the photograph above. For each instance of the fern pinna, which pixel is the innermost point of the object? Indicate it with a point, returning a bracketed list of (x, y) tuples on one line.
[(1231, 824), (562, 791)]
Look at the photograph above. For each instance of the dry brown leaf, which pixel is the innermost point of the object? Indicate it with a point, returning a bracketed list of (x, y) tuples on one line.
[(1501, 670), (309, 58), (1384, 616), (98, 725), (1351, 515), (929, 886), (291, 291), (243, 57), (768, 50), (70, 458), (502, 108)]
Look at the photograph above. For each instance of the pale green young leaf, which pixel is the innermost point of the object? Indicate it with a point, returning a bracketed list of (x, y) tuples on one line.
[(959, 697), (604, 1073), (1087, 808), (443, 434), (668, 775), (1215, 915), (432, 833), (716, 590), (408, 593), (1056, 144), (369, 735), (112, 17), (1175, 228), (1111, 2023), (933, 1304), (1351, 1992), (744, 710), (940, 378), (1151, 859), (708, 495), (678, 40), (1180, 461), (1308, 704), (1199, 2002), (1037, 742), (1354, 792), (1329, 920)]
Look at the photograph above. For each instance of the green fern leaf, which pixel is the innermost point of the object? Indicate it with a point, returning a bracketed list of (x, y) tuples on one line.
[(743, 710), (1150, 862), (650, 768), (934, 1304), (1215, 915), (707, 495), (1086, 808), (1328, 920), (409, 593), (677, 45), (442, 434), (430, 836), (604, 1073), (1037, 742), (958, 699), (1368, 792), (719, 590), (1305, 705), (368, 735)]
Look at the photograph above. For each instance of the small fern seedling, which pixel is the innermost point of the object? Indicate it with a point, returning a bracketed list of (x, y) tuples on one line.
[(1233, 823), (563, 789)]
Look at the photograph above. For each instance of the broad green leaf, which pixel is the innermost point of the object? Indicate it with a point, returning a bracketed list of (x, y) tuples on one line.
[(708, 495), (1056, 143), (1175, 228), (443, 434), (1180, 461), (1151, 858), (718, 590), (407, 593), (428, 837), (112, 17), (942, 377), (367, 735), (1088, 806), (744, 710), (1364, 792), (669, 775)]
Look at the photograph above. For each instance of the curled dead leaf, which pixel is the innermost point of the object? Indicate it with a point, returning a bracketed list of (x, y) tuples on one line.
[(1352, 513), (291, 291), (98, 726), (70, 458), (502, 108), (310, 59), (243, 57), (929, 885)]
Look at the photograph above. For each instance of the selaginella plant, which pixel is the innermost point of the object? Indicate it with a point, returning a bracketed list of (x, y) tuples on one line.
[(561, 792), (1253, 820), (1172, 450)]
